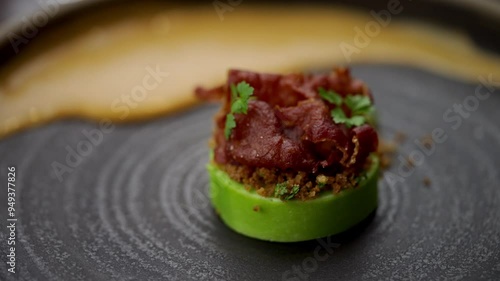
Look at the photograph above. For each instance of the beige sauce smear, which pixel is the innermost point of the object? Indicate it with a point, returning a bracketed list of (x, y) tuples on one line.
[(142, 62)]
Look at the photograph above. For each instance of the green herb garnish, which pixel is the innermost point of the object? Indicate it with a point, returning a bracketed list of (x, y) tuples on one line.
[(240, 94), (339, 116), (330, 96), (230, 124), (295, 190), (280, 189), (360, 178), (359, 105)]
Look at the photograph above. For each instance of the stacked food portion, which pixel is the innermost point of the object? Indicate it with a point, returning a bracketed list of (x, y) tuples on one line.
[(293, 154)]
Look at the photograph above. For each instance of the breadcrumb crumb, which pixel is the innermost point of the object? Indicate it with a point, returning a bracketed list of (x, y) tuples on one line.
[(427, 181)]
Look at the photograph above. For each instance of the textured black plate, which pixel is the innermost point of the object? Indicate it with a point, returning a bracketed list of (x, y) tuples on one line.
[(136, 207)]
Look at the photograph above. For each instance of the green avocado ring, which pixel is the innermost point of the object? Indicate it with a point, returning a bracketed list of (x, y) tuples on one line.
[(272, 219)]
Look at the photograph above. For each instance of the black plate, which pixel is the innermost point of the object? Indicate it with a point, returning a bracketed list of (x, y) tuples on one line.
[(136, 207)]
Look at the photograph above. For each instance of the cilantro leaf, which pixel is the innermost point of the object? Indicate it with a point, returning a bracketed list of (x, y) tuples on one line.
[(230, 124), (234, 92), (356, 121), (330, 96), (280, 189), (239, 106), (240, 94), (245, 90), (295, 190), (339, 117), (360, 178), (358, 104)]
